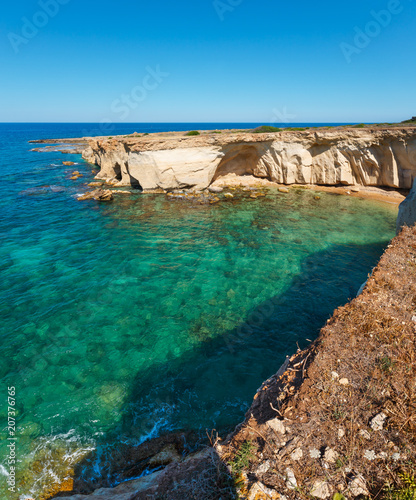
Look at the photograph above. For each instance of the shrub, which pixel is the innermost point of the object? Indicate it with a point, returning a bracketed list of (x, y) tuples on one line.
[(242, 458), (193, 132), (266, 128), (360, 125)]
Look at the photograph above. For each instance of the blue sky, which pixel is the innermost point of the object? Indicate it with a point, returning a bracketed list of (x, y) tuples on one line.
[(207, 61)]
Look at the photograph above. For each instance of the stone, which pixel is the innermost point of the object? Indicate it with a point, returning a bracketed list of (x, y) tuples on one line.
[(355, 189), (215, 189), (365, 434), (341, 433), (68, 163), (291, 483), (97, 194), (321, 489), (344, 381), (334, 376), (357, 486), (168, 455), (296, 455), (264, 467), (283, 190), (377, 422), (261, 492), (330, 456), (95, 184), (407, 210), (228, 195), (277, 426)]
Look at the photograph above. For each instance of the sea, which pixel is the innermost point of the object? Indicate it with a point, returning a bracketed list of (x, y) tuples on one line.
[(125, 320)]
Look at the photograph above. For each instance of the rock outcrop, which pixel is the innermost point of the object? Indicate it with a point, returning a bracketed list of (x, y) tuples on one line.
[(367, 157), (407, 210)]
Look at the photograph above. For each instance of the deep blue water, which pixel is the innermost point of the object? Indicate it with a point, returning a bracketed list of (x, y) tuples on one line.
[(120, 321)]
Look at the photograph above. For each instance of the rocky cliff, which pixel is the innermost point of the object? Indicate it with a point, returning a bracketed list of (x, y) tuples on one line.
[(407, 210), (366, 157)]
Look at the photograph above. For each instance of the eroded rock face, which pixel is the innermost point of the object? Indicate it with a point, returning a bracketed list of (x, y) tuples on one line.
[(407, 211), (351, 157)]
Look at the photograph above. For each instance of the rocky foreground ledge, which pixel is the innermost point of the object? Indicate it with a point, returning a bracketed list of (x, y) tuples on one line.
[(339, 417), (347, 156)]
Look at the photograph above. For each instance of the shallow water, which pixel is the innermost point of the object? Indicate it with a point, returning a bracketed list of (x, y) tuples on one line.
[(120, 321)]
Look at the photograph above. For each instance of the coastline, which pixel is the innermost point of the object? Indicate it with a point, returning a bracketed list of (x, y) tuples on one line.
[(341, 160), (389, 196)]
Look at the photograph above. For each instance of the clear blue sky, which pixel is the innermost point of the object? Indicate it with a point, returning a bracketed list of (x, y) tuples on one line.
[(227, 60)]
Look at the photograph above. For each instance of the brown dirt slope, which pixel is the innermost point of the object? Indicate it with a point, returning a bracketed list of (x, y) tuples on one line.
[(342, 417)]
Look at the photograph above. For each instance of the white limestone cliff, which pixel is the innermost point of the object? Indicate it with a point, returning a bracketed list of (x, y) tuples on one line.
[(364, 157)]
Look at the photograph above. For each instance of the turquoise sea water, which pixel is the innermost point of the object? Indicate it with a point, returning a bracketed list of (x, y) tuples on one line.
[(124, 320)]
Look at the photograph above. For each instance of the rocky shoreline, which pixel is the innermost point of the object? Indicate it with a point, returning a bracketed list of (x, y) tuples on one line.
[(371, 163), (350, 157)]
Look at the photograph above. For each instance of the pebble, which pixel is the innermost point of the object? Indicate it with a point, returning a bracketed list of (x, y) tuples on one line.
[(344, 381), (291, 483), (263, 468), (283, 190), (365, 434), (277, 425), (296, 455), (377, 422), (215, 189), (358, 487), (259, 490), (341, 433), (321, 489), (330, 456), (334, 375)]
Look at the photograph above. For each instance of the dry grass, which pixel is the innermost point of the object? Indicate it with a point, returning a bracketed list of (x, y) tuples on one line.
[(371, 342)]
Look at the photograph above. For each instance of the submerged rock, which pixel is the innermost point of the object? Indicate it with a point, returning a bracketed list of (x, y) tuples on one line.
[(97, 194)]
